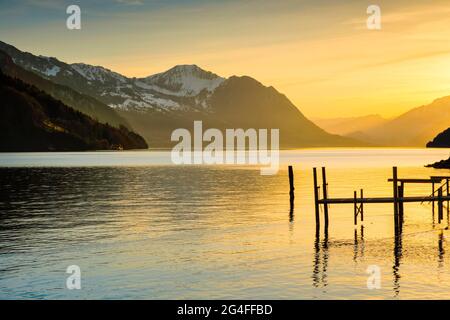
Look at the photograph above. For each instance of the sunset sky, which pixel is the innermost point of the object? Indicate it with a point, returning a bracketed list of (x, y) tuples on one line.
[(319, 53)]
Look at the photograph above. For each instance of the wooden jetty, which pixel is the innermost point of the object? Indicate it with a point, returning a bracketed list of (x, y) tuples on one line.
[(439, 193), (398, 198)]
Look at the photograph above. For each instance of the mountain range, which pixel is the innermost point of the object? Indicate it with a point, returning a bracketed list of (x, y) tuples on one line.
[(67, 95), (156, 105), (350, 125), (32, 120), (411, 129)]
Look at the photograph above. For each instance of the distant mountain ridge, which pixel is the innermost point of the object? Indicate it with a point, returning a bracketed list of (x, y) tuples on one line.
[(31, 120), (413, 128), (156, 105), (344, 126)]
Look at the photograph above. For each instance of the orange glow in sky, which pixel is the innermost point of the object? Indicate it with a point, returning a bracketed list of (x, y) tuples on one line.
[(319, 53)]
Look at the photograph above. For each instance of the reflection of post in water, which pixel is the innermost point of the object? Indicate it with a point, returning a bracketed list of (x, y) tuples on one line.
[(397, 260), (358, 245), (320, 269), (432, 217), (325, 259), (316, 262), (441, 249), (362, 241), (291, 212)]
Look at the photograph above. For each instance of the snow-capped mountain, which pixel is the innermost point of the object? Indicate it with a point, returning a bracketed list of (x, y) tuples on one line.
[(98, 73), (180, 88), (70, 97), (183, 87), (156, 105), (183, 80)]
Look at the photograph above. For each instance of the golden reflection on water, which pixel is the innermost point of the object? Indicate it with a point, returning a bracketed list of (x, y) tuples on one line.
[(161, 231)]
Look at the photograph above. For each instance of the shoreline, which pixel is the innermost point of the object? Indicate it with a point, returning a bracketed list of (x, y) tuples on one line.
[(280, 149), (443, 164)]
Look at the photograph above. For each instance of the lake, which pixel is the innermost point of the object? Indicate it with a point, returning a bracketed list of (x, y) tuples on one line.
[(140, 227)]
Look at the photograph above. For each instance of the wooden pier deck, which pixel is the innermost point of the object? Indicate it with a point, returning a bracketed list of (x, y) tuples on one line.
[(439, 193), (398, 197), (382, 200)]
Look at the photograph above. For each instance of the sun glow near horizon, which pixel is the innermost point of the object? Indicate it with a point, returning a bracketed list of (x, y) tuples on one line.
[(321, 55)]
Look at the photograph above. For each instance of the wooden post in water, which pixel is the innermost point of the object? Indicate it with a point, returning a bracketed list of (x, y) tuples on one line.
[(446, 185), (440, 206), (395, 187), (401, 193), (325, 196), (355, 208), (432, 195), (291, 183), (448, 201), (362, 205), (316, 198), (291, 193)]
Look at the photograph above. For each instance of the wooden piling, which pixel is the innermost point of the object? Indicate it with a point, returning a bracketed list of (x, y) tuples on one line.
[(325, 196), (395, 187), (291, 183), (446, 186), (401, 194), (316, 197), (448, 202), (432, 195), (291, 193), (362, 205), (398, 198)]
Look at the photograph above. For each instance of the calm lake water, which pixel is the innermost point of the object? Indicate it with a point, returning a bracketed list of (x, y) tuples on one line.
[(139, 227)]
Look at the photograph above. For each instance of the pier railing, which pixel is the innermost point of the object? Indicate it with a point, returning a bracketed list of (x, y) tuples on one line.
[(398, 198)]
